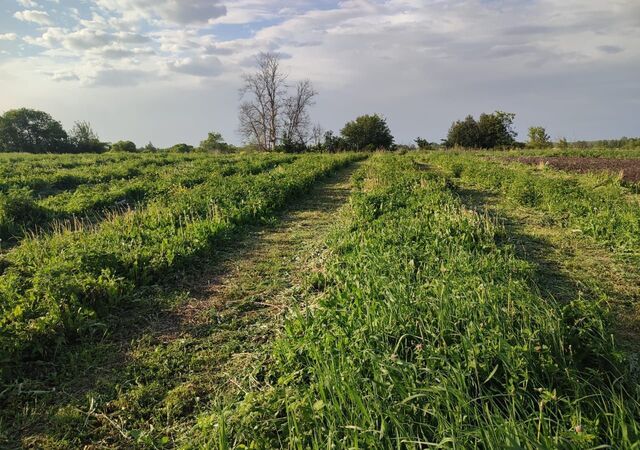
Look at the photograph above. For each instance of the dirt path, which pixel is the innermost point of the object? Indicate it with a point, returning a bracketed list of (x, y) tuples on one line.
[(264, 265), (196, 355)]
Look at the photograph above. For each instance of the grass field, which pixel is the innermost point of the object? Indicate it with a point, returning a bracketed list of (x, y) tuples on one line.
[(425, 299)]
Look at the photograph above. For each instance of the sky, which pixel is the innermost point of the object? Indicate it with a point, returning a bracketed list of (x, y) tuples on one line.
[(169, 71)]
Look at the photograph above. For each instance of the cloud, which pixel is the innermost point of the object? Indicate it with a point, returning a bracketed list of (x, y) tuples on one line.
[(8, 37), (191, 12), (119, 52), (215, 49), (132, 38), (64, 76), (80, 40), (206, 66), (611, 49), (85, 39), (35, 16), (111, 77), (28, 3)]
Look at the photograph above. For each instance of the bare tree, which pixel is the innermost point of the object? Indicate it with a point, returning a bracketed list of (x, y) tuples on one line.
[(260, 114), (268, 115), (296, 116), (317, 132)]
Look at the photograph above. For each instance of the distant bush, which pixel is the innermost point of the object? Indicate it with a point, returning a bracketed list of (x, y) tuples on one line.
[(150, 148), (124, 146), (423, 144), (333, 143), (84, 140), (563, 143), (623, 142), (215, 143), (181, 148), (538, 138), (464, 133)]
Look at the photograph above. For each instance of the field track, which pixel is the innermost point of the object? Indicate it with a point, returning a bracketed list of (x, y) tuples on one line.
[(223, 314), (266, 260)]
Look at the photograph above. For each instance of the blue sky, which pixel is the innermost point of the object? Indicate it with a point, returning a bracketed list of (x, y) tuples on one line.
[(168, 71)]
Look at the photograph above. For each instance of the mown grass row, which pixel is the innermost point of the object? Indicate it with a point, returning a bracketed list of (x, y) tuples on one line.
[(580, 153), (87, 198), (429, 333), (56, 287), (21, 212), (51, 174), (593, 204)]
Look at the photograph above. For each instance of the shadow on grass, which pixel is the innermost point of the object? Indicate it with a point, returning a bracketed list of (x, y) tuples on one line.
[(549, 277)]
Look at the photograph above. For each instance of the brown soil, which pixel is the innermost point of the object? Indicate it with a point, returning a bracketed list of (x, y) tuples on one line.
[(629, 168)]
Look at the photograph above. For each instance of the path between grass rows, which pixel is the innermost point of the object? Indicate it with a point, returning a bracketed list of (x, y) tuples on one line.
[(190, 358)]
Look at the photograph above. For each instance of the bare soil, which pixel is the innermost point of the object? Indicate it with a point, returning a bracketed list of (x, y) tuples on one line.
[(629, 168)]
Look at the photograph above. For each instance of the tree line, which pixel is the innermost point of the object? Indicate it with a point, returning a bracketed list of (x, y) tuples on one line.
[(33, 131)]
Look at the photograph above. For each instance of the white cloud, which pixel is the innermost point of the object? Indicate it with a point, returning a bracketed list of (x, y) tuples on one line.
[(112, 77), (171, 11), (83, 39), (35, 16), (28, 3), (205, 66), (64, 76), (8, 37)]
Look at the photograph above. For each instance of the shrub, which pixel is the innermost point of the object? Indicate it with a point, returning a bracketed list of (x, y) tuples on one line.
[(538, 138), (124, 146)]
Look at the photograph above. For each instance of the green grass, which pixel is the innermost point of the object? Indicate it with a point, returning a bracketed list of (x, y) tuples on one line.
[(180, 348), (572, 152), (55, 288), (421, 325), (63, 197), (597, 205), (430, 332)]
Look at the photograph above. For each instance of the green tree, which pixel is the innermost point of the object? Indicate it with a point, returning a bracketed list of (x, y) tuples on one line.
[(333, 143), (490, 131), (538, 138), (464, 133), (150, 147), (368, 132), (85, 140), (124, 146), (496, 130), (215, 143), (181, 148), (29, 130), (423, 144)]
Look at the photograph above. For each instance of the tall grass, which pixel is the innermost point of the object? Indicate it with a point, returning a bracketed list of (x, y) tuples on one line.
[(119, 186), (596, 205), (428, 333), (56, 287)]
